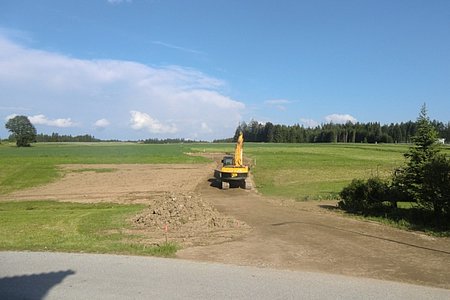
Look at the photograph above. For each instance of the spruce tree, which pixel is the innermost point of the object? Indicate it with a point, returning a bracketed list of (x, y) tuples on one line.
[(420, 153), (426, 178)]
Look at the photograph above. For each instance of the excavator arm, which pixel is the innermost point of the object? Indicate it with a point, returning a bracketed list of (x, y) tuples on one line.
[(238, 157)]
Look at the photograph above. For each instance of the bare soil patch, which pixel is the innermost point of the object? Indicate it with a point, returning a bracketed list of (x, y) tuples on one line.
[(124, 183)]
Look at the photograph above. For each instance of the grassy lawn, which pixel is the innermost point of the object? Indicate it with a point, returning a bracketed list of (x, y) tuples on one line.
[(314, 171), (58, 226)]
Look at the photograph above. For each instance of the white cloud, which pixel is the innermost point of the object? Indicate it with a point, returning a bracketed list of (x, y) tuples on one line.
[(140, 120), (102, 123), (43, 120), (340, 119), (309, 122), (55, 84)]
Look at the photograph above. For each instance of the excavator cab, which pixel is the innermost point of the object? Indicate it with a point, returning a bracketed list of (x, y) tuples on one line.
[(227, 161)]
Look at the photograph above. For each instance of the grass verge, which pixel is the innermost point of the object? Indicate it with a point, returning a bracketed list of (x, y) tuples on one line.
[(73, 227)]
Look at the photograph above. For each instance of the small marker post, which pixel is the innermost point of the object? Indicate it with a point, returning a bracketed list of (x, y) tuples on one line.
[(166, 229)]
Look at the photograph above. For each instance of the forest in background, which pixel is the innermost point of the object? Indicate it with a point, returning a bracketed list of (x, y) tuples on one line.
[(372, 132)]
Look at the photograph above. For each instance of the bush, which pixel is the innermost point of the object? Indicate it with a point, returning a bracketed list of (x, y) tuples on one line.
[(365, 196), (353, 196), (435, 192)]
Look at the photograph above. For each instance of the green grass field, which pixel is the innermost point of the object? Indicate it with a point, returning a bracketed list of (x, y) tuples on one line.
[(314, 171), (58, 226)]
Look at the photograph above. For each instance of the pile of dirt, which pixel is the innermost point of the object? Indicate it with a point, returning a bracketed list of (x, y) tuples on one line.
[(188, 220)]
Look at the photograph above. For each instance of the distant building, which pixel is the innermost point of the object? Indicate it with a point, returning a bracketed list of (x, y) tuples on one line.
[(441, 141)]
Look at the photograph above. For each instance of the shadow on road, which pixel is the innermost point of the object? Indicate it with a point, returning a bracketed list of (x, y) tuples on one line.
[(34, 286)]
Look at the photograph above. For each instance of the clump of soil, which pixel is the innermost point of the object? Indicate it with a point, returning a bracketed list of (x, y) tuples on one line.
[(188, 220)]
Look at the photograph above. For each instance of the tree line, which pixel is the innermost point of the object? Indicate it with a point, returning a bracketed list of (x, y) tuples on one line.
[(372, 132), (56, 137)]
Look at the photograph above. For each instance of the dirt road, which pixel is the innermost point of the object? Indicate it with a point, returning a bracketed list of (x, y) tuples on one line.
[(307, 236), (253, 230)]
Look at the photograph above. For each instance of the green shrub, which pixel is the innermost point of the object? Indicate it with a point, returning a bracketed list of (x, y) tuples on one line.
[(353, 196), (362, 196), (435, 192)]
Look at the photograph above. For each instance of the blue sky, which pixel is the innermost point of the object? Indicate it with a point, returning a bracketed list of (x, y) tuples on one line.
[(137, 69)]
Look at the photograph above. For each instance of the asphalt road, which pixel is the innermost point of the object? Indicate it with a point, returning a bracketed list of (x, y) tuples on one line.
[(28, 275)]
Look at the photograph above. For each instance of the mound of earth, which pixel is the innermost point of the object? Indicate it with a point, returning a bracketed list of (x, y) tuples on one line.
[(187, 219)]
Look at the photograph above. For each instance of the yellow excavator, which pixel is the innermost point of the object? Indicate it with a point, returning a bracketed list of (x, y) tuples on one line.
[(233, 171)]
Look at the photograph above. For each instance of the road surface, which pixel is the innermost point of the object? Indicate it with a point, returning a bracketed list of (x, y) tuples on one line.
[(28, 275)]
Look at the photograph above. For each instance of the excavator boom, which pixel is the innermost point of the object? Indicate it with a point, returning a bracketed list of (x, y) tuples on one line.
[(238, 152)]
